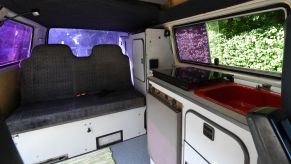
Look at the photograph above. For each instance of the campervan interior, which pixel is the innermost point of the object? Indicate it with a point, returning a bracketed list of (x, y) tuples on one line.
[(145, 81)]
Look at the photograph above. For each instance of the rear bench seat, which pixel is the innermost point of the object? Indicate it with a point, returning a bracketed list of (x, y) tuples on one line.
[(52, 77)]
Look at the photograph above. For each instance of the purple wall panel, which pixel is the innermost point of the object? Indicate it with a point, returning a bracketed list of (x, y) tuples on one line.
[(192, 43), (15, 42), (82, 41)]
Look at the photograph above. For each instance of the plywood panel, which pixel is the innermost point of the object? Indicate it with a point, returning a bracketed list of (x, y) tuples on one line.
[(176, 2), (9, 90)]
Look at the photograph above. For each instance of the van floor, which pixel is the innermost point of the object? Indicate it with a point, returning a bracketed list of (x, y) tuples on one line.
[(133, 151)]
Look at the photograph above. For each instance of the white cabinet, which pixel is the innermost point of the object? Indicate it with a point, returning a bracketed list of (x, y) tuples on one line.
[(191, 156), (72, 139), (214, 143), (141, 48), (163, 132)]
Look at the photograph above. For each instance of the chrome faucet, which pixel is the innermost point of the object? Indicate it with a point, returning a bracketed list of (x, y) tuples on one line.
[(264, 87)]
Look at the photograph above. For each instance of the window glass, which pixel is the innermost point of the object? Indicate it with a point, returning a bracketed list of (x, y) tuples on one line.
[(192, 43), (254, 41), (15, 42), (82, 41)]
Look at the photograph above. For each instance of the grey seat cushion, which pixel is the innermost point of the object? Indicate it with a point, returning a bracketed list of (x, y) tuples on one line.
[(49, 113)]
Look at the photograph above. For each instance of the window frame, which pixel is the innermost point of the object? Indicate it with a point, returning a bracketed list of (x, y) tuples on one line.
[(30, 49), (49, 29), (261, 73)]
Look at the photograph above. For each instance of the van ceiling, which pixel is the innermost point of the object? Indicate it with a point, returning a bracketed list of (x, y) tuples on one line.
[(118, 15), (115, 15), (162, 2)]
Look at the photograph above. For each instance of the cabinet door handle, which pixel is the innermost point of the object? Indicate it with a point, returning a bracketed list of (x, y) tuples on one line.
[(208, 131)]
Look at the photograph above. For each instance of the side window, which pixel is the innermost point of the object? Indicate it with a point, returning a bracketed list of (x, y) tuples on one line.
[(254, 41), (82, 41), (15, 42), (192, 43)]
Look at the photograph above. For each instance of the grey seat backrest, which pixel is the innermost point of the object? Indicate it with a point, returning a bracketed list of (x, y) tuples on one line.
[(107, 69), (47, 74), (87, 77), (114, 67)]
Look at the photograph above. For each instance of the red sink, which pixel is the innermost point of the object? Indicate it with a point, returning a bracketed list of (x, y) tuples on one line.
[(239, 98)]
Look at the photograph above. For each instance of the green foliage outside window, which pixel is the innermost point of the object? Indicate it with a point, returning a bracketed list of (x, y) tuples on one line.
[(254, 41)]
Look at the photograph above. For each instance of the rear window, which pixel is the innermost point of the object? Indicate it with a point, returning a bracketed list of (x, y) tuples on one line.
[(253, 41), (82, 41), (15, 42)]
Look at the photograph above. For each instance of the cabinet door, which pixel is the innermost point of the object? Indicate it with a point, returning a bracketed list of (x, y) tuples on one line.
[(191, 156), (163, 132), (213, 142), (138, 59)]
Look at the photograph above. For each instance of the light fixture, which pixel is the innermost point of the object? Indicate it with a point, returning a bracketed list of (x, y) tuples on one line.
[(34, 12)]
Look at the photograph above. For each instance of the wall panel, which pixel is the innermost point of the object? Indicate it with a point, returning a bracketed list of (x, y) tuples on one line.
[(9, 90)]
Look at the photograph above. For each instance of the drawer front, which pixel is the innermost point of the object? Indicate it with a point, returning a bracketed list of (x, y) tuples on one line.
[(191, 156), (213, 142)]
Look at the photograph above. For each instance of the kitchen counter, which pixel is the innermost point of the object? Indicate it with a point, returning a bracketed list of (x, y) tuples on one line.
[(225, 113), (230, 128)]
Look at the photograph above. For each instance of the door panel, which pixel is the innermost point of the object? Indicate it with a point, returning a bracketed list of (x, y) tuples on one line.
[(9, 90), (213, 142), (138, 59)]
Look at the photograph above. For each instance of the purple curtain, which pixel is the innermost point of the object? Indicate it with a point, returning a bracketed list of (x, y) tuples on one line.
[(192, 43), (15, 42)]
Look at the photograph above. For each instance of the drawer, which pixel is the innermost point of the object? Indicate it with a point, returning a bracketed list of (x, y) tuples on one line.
[(213, 142)]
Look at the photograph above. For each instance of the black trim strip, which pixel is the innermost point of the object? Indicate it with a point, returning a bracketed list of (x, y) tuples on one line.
[(232, 68), (10, 64), (145, 119), (247, 71), (47, 35), (283, 138), (242, 145)]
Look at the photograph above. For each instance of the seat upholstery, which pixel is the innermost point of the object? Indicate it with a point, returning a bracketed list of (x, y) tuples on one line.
[(115, 65), (108, 67), (87, 78), (52, 77), (47, 74), (51, 113)]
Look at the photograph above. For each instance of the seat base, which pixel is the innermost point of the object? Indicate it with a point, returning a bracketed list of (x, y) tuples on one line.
[(72, 139), (50, 113)]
